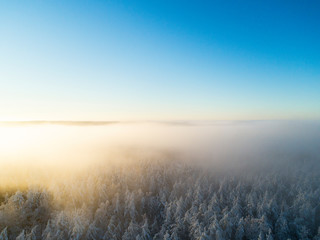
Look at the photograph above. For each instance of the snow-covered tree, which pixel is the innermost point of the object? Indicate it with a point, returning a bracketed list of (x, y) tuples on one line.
[(4, 234), (168, 200)]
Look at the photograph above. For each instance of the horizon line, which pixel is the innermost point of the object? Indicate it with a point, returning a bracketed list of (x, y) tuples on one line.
[(167, 122)]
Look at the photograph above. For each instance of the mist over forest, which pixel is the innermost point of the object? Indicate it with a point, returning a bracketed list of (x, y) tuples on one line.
[(160, 180)]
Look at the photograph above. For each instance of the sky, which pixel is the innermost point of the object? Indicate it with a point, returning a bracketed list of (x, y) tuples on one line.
[(159, 60)]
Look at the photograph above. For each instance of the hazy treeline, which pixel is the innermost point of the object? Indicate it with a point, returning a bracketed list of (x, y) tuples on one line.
[(171, 200)]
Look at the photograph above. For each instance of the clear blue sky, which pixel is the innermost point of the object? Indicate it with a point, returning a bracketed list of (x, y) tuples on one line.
[(159, 60)]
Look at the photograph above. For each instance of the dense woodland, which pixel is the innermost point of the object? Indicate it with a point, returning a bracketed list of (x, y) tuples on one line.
[(171, 200)]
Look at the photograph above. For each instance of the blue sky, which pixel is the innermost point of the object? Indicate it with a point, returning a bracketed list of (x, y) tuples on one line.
[(159, 60)]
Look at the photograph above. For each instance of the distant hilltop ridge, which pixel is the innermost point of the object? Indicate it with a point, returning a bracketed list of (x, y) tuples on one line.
[(101, 123), (68, 123)]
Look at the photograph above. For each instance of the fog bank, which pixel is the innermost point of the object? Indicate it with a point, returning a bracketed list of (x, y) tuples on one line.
[(211, 141)]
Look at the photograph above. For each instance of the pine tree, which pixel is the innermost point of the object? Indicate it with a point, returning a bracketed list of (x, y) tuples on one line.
[(269, 236), (281, 227), (21, 236), (4, 234), (167, 236), (145, 232), (92, 232), (33, 233), (240, 230), (261, 236)]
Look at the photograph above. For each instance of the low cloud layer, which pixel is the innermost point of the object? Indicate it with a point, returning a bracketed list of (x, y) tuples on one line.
[(212, 142)]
